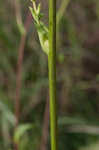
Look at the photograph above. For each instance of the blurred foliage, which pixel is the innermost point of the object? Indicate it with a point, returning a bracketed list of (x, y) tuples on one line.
[(77, 77)]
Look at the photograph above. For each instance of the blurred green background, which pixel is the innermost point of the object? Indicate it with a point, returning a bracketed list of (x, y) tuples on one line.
[(24, 107)]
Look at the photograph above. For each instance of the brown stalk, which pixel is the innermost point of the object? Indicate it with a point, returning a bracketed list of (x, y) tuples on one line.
[(19, 70), (44, 138)]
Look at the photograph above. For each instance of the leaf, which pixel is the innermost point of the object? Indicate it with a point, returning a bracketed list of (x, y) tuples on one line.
[(7, 114), (20, 131), (71, 120), (92, 146)]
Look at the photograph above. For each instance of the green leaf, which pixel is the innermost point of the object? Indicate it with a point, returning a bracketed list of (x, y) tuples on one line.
[(20, 131), (71, 120), (7, 114)]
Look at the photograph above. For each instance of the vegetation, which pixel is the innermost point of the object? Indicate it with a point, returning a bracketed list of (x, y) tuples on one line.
[(24, 71), (47, 39)]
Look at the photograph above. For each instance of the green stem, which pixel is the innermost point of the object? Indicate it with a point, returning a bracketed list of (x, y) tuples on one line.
[(52, 73)]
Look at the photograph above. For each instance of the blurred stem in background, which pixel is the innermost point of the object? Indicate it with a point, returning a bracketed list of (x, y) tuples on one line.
[(23, 29), (19, 17), (52, 73), (60, 13), (19, 68), (45, 131)]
